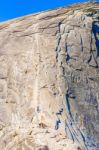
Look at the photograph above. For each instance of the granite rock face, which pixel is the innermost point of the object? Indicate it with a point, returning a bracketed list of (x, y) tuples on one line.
[(49, 80)]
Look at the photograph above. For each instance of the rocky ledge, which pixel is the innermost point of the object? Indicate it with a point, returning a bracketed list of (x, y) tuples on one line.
[(49, 80)]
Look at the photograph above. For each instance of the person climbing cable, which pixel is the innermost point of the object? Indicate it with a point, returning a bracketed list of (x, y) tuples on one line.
[(38, 109), (60, 112), (57, 124)]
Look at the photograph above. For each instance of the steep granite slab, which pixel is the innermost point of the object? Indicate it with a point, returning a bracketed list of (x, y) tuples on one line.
[(49, 80)]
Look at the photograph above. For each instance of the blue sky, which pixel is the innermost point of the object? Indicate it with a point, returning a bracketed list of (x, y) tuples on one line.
[(15, 8)]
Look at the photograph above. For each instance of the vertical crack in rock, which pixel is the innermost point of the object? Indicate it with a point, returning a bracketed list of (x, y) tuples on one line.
[(81, 43), (68, 105), (95, 30)]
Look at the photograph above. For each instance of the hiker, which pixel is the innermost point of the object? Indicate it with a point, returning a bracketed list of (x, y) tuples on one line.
[(57, 124), (60, 112)]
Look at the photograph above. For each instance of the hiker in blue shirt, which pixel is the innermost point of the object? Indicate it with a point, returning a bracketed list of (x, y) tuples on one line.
[(57, 124)]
